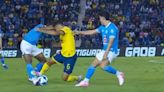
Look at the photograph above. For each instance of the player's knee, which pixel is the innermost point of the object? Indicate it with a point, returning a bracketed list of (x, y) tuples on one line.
[(102, 65), (65, 78)]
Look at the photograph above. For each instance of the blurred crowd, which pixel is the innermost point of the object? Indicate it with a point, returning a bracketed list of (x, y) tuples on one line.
[(17, 17), (141, 22)]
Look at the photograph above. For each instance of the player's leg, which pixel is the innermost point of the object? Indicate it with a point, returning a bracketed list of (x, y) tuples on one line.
[(38, 54), (40, 57), (108, 68), (26, 49), (69, 64), (91, 70), (29, 67), (46, 66), (89, 74), (3, 62), (55, 59)]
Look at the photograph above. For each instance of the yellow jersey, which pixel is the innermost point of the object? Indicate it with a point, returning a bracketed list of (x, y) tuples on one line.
[(67, 42)]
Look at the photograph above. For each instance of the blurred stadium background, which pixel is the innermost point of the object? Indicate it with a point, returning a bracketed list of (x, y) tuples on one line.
[(141, 24)]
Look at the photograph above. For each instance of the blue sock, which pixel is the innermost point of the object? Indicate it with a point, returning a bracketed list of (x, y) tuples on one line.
[(39, 67), (2, 60), (110, 69), (29, 68), (90, 72)]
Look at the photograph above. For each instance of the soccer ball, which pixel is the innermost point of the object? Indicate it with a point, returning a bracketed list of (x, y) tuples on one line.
[(42, 80)]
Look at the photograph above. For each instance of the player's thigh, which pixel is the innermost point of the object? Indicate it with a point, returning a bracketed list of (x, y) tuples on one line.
[(69, 64), (25, 47), (100, 55), (111, 56), (58, 58), (95, 63), (40, 57), (36, 51)]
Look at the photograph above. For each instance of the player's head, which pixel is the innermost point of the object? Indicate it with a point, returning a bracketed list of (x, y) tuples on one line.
[(103, 17), (58, 25)]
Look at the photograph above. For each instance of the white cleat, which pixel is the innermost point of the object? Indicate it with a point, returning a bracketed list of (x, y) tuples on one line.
[(30, 79), (121, 78), (82, 84), (35, 81)]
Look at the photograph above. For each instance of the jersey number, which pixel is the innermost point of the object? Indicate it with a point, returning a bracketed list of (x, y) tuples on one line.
[(68, 66)]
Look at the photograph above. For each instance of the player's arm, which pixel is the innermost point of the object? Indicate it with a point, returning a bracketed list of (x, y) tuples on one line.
[(88, 32), (50, 27), (110, 43), (48, 31)]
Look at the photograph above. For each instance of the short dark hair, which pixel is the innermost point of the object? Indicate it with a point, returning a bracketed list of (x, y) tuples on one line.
[(104, 14)]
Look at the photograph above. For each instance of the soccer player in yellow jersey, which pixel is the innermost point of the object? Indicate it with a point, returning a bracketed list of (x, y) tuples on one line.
[(67, 56)]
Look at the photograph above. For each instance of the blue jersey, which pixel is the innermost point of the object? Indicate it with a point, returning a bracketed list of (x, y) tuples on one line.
[(33, 35), (107, 32)]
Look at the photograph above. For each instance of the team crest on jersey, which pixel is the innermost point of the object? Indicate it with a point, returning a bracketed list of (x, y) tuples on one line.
[(112, 31)]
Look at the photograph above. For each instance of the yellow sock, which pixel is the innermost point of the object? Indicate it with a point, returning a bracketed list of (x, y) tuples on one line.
[(44, 68), (72, 78)]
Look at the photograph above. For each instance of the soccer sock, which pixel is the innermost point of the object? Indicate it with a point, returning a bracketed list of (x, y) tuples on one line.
[(44, 68), (39, 67), (2, 60), (72, 78), (110, 69), (89, 73), (29, 69)]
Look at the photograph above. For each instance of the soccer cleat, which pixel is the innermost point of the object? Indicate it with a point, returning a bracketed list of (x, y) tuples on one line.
[(36, 81), (30, 79), (80, 78), (82, 84), (5, 66), (121, 79)]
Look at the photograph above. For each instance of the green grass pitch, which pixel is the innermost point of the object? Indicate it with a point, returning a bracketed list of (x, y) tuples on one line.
[(143, 74)]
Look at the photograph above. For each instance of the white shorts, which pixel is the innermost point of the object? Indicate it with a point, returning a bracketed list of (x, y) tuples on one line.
[(28, 48), (110, 57)]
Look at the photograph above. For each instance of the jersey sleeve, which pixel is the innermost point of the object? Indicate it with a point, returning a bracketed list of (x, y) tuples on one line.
[(99, 29), (39, 26)]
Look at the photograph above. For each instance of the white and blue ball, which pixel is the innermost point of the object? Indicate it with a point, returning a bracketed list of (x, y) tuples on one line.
[(42, 80)]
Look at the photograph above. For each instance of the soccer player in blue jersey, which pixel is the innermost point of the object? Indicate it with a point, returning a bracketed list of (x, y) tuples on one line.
[(29, 49), (109, 33), (1, 55)]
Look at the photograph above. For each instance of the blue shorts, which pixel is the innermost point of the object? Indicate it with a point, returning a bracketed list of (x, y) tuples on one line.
[(68, 62)]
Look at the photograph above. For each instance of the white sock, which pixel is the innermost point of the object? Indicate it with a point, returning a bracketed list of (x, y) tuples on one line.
[(86, 79), (117, 73)]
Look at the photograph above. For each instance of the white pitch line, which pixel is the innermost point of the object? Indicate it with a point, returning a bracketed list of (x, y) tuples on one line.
[(156, 61)]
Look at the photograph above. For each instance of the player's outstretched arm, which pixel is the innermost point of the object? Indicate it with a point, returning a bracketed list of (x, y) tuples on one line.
[(48, 31), (88, 32), (50, 27)]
